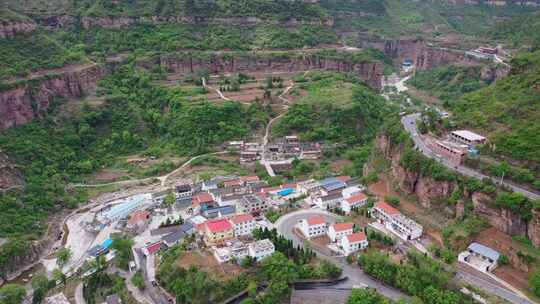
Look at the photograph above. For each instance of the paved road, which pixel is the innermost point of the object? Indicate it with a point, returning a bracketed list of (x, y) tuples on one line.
[(410, 124), (356, 276), (152, 292), (491, 288), (79, 298)]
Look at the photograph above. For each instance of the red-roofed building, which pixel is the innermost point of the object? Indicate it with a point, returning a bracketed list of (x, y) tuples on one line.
[(218, 231), (152, 248), (339, 230), (383, 212), (267, 190), (243, 224), (202, 201), (249, 180), (393, 220), (233, 182), (355, 201), (138, 220), (313, 226), (353, 242)]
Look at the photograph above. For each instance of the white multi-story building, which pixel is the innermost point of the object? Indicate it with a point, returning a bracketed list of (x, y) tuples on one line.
[(261, 249), (355, 201), (353, 242), (252, 204), (352, 190), (468, 137), (243, 224), (313, 226), (308, 187), (393, 220), (339, 230), (328, 201)]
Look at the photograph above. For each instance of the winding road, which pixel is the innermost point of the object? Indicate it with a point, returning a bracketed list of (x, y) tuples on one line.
[(410, 124), (357, 277)]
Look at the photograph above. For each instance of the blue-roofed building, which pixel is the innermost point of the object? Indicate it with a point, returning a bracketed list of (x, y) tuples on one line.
[(480, 257), (219, 212), (123, 210), (107, 243), (332, 184)]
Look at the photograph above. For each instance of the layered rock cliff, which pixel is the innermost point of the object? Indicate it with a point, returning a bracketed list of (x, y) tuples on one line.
[(59, 21), (11, 29), (370, 72), (428, 191), (25, 100)]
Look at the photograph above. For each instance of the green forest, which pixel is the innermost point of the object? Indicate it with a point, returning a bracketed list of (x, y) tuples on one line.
[(508, 111)]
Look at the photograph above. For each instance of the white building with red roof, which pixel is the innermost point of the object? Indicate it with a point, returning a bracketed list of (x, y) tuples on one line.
[(393, 220), (313, 226), (243, 224), (354, 201), (339, 230), (218, 231), (353, 242), (201, 202), (249, 180)]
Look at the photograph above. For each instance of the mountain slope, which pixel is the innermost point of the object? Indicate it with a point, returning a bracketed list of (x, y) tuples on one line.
[(508, 111)]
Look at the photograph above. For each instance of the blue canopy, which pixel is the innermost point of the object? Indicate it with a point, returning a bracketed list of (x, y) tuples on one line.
[(107, 243), (285, 192)]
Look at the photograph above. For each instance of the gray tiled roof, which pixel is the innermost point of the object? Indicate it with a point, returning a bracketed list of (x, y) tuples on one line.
[(485, 251)]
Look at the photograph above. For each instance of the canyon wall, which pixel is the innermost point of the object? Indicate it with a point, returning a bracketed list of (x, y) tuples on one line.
[(59, 21), (424, 57), (23, 101), (370, 72), (533, 3), (428, 191), (11, 29)]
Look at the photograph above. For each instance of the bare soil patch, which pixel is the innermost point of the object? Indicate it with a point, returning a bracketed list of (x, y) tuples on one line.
[(109, 175), (204, 260)]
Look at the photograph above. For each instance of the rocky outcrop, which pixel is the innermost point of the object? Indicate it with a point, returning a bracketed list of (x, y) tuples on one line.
[(87, 22), (428, 190), (10, 176), (533, 228), (490, 73), (533, 3), (370, 72), (502, 219), (25, 100), (11, 29)]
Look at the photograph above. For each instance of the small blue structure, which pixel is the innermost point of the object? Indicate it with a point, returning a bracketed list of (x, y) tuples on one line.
[(107, 243), (286, 192), (331, 184), (407, 63)]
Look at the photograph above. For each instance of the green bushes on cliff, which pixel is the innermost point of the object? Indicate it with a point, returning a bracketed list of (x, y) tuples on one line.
[(508, 112)]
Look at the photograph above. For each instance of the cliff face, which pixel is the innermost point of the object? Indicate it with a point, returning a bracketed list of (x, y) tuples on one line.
[(59, 21), (24, 102), (423, 56), (11, 29), (370, 72), (532, 3), (533, 228), (427, 190), (502, 219), (10, 176)]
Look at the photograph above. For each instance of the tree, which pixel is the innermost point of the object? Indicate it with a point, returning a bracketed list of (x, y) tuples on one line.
[(12, 294), (63, 256), (169, 200), (366, 296), (58, 276), (138, 280), (534, 283)]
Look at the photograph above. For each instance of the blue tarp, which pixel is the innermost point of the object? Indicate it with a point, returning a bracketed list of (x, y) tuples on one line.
[(107, 243), (285, 192)]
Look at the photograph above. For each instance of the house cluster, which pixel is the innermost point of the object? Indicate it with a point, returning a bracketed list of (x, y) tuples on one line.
[(341, 192), (458, 145), (397, 223), (341, 235), (482, 52), (286, 148)]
